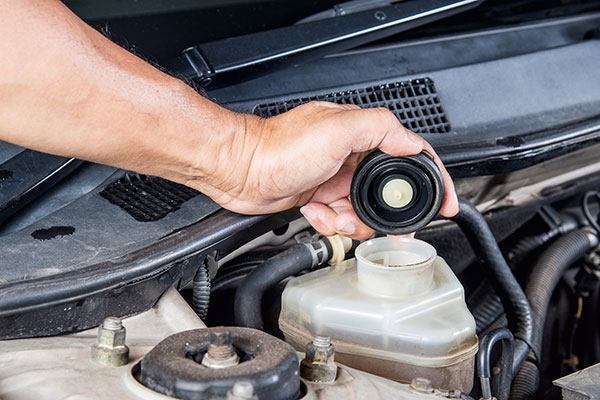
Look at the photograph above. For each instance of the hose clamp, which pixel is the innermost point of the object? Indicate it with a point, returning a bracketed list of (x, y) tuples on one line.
[(318, 251)]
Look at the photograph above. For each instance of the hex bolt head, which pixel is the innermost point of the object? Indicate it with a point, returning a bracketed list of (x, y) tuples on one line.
[(242, 390), (110, 349), (222, 338), (220, 352), (318, 364)]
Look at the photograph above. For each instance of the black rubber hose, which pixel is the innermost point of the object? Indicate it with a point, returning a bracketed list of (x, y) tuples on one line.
[(526, 382), (514, 301), (528, 244), (201, 292), (504, 363), (485, 305), (248, 297), (549, 269), (545, 275)]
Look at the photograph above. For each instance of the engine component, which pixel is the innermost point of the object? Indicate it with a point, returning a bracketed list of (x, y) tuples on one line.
[(297, 258), (176, 367), (220, 352), (545, 275), (514, 301), (111, 349), (63, 369), (396, 310), (504, 364), (397, 195), (318, 364), (201, 292), (581, 385)]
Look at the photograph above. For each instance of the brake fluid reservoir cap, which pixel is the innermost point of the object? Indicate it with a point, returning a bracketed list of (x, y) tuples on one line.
[(397, 195)]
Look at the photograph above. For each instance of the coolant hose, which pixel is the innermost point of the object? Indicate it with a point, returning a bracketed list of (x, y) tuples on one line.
[(248, 297), (516, 305), (545, 275)]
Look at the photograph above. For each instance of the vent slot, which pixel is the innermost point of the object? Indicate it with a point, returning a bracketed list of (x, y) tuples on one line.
[(415, 103), (147, 198)]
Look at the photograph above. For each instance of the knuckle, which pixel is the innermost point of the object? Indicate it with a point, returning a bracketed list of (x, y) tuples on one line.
[(384, 114), (315, 104)]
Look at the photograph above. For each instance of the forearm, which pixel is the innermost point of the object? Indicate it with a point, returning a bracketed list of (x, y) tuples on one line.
[(67, 90)]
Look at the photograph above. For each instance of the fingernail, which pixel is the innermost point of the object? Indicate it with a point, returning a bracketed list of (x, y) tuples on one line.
[(309, 213), (347, 228)]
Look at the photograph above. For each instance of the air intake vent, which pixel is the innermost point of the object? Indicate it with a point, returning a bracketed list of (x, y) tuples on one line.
[(147, 198), (415, 103)]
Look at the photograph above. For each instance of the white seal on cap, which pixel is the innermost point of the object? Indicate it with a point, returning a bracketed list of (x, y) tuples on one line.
[(397, 193)]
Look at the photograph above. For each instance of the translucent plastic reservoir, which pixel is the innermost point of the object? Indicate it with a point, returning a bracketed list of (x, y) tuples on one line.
[(396, 310)]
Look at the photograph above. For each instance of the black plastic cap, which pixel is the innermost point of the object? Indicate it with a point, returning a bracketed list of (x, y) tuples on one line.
[(423, 175)]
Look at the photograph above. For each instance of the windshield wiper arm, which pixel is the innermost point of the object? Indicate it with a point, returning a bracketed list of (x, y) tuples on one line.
[(231, 60)]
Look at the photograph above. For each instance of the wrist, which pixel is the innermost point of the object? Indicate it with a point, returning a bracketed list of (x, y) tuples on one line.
[(214, 149)]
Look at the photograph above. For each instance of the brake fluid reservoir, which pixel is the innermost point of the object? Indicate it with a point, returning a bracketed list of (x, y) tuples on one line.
[(396, 310)]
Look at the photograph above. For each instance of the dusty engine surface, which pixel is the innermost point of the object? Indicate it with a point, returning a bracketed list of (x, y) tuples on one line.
[(63, 367)]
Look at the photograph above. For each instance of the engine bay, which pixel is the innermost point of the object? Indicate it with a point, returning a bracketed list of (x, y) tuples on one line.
[(117, 284)]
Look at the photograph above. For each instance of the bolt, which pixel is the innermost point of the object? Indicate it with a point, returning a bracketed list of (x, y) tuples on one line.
[(318, 364), (322, 341), (110, 350), (421, 385), (242, 390), (112, 323), (220, 352)]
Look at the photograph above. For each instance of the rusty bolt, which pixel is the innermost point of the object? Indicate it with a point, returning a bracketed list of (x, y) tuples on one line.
[(318, 364), (110, 350), (220, 352)]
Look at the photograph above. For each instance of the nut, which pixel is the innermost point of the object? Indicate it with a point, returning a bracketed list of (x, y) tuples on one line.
[(111, 349), (318, 364)]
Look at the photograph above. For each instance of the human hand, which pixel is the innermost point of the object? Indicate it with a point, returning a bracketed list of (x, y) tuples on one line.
[(307, 157)]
